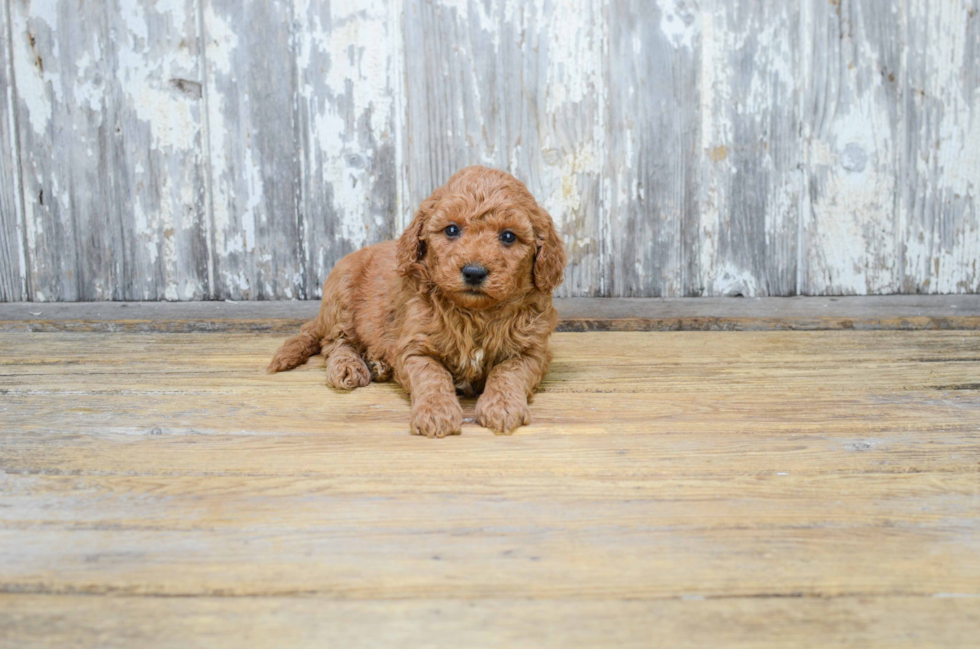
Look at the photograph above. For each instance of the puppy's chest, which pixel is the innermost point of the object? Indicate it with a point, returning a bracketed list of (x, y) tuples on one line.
[(469, 364)]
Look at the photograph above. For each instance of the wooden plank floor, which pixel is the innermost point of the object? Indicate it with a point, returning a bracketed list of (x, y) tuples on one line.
[(675, 489)]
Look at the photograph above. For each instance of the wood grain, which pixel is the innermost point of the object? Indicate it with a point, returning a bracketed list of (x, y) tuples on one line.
[(156, 163), (109, 127), (13, 265), (186, 150), (940, 199), (299, 622), (653, 135), (723, 488), (750, 148), (347, 80), (852, 57), (251, 89), (58, 268)]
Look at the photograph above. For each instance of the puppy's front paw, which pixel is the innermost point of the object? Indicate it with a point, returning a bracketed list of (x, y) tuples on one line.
[(437, 416), (502, 412)]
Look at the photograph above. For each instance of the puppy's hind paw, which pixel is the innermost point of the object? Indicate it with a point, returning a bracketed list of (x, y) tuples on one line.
[(347, 373), (277, 365)]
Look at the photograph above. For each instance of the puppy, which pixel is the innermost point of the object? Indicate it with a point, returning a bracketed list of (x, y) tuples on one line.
[(461, 302)]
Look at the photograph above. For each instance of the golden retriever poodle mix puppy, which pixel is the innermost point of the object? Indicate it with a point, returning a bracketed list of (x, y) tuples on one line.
[(461, 302)]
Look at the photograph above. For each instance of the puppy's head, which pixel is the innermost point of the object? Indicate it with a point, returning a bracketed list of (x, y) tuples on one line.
[(482, 239)]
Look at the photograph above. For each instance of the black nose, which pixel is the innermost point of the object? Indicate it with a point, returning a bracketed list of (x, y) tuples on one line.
[(474, 275)]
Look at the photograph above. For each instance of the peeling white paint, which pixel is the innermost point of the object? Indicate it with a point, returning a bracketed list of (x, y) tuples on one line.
[(959, 152), (716, 130), (222, 186), (716, 126), (348, 201), (941, 214), (565, 199), (574, 72), (565, 137), (398, 76), (222, 44), (253, 180), (678, 22), (37, 89), (357, 53), (487, 14), (222, 41), (192, 290), (729, 280), (867, 218), (237, 280), (88, 92), (146, 75), (851, 238), (847, 240), (15, 168), (357, 81)]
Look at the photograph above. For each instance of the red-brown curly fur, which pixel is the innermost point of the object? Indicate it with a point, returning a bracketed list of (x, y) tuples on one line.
[(401, 308)]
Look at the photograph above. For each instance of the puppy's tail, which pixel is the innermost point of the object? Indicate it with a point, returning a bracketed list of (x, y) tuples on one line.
[(298, 349)]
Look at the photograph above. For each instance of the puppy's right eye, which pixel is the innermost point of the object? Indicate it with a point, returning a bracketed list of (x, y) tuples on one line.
[(452, 231)]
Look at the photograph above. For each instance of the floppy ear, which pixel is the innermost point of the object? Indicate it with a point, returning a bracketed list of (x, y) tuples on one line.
[(410, 251), (411, 248), (549, 261)]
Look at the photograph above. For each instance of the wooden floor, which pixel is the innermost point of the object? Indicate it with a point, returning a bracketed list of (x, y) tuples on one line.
[(675, 489)]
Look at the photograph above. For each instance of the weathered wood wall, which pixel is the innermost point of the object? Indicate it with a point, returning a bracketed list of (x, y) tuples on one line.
[(195, 149)]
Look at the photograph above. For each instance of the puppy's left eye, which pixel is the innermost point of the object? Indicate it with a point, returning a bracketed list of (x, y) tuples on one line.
[(507, 237)]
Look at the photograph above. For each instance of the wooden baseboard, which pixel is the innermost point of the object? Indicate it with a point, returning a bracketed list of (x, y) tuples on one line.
[(894, 312)]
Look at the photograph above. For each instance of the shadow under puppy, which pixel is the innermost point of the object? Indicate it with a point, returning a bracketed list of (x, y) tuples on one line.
[(460, 302)]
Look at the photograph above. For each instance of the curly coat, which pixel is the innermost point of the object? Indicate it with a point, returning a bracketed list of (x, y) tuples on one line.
[(404, 309)]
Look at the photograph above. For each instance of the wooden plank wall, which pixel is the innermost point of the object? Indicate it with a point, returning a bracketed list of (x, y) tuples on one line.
[(209, 149)]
